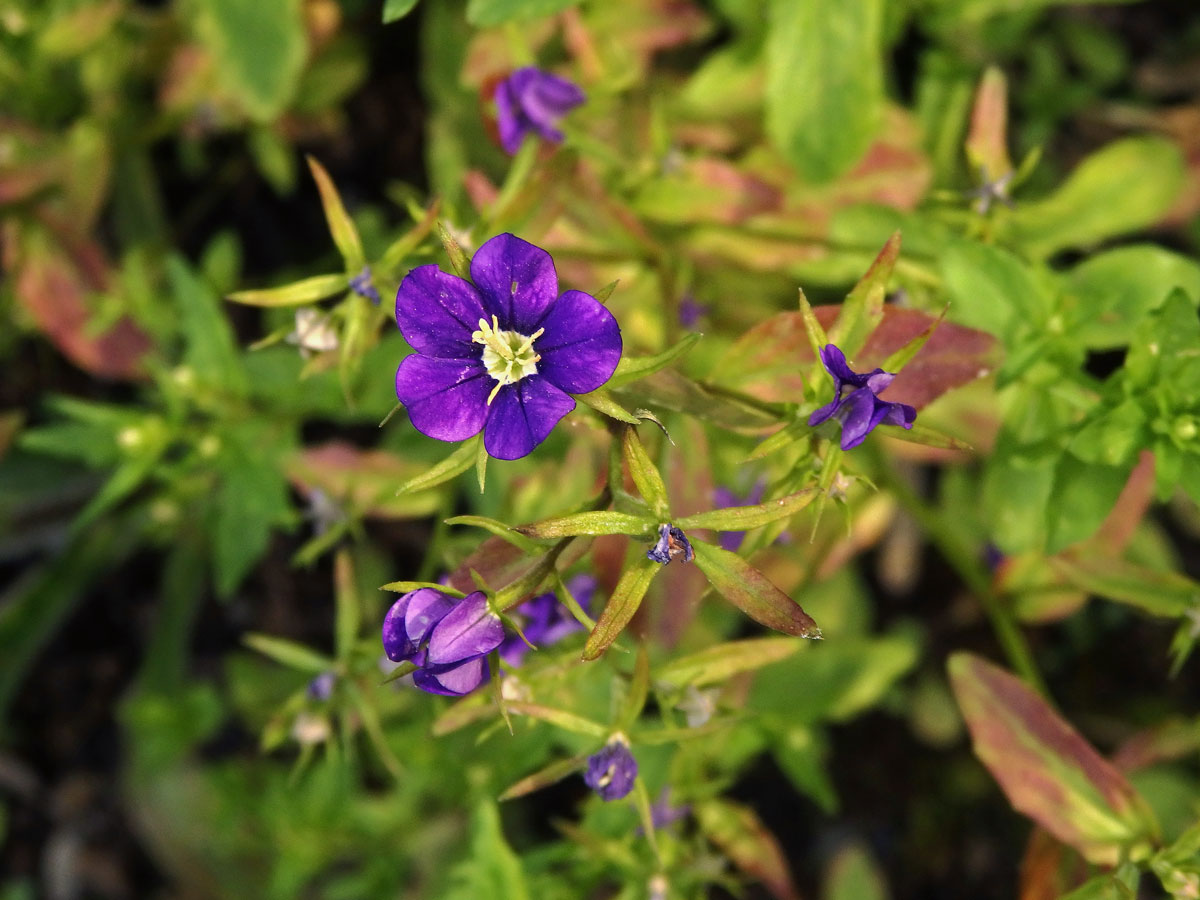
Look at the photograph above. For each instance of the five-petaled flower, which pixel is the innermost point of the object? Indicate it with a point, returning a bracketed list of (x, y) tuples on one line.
[(532, 100), (856, 404), (612, 770), (502, 354), (672, 542), (546, 621), (446, 638)]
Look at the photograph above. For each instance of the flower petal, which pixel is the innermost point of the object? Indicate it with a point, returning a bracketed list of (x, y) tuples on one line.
[(456, 681), (468, 631), (517, 280), (446, 399), (545, 99), (834, 361), (427, 607), (511, 123), (522, 415), (582, 344), (438, 312), (826, 412), (895, 413), (396, 644), (856, 416)]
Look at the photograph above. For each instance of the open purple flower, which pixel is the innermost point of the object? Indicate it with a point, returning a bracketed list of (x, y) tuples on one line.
[(448, 639), (502, 354), (612, 770), (856, 404), (672, 542), (532, 100), (546, 621)]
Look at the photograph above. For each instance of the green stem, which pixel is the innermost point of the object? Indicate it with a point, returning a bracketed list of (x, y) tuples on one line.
[(969, 568)]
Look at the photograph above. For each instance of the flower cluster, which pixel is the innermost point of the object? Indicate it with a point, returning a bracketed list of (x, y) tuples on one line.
[(856, 404), (502, 354), (546, 621), (446, 638), (531, 101)]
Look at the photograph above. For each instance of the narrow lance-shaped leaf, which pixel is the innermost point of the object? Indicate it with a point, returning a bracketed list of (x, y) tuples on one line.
[(594, 522), (743, 518), (568, 721), (602, 402), (621, 606), (632, 368), (309, 290), (1045, 767), (289, 653), (341, 226), (739, 832), (544, 777), (635, 696), (450, 467), (716, 664), (645, 474), (749, 590), (863, 307)]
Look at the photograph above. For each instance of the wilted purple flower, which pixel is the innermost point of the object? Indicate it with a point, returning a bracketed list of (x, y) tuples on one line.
[(533, 100), (860, 410), (671, 543), (546, 621), (448, 639), (362, 285), (502, 354), (612, 770), (321, 687)]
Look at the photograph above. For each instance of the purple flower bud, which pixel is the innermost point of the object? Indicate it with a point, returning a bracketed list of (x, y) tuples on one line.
[(321, 687), (611, 771), (447, 638), (671, 543), (362, 285), (532, 101), (860, 410), (691, 311)]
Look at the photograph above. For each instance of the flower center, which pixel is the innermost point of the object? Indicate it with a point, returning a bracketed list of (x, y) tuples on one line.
[(507, 355)]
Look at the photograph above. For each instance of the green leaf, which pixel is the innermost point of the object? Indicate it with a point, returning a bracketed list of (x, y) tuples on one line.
[(486, 13), (1045, 767), (544, 777), (258, 49), (645, 474), (854, 874), (632, 368), (989, 286), (394, 10), (1165, 594), (492, 871), (750, 591), (624, 602), (560, 718), (743, 518), (802, 754), (602, 402), (593, 522), (639, 688), (211, 351), (309, 290), (1111, 292), (716, 664), (863, 307), (404, 587), (451, 467), (741, 835), (1083, 495), (1125, 186), (341, 226), (824, 91), (499, 529), (289, 653)]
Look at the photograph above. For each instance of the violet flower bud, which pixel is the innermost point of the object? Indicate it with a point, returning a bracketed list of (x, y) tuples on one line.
[(612, 771)]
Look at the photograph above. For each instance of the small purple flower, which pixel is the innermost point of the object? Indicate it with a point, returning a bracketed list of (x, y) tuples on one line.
[(321, 687), (860, 410), (448, 639), (671, 543), (503, 354), (546, 621), (612, 770), (691, 311), (362, 285), (532, 100)]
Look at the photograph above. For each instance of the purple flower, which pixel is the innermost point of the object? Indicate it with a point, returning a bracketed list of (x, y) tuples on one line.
[(546, 621), (502, 354), (321, 687), (612, 770), (362, 285), (448, 639), (691, 311), (532, 100), (859, 410), (671, 543)]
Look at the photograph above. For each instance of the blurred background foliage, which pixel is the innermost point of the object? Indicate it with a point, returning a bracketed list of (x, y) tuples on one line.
[(197, 503)]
